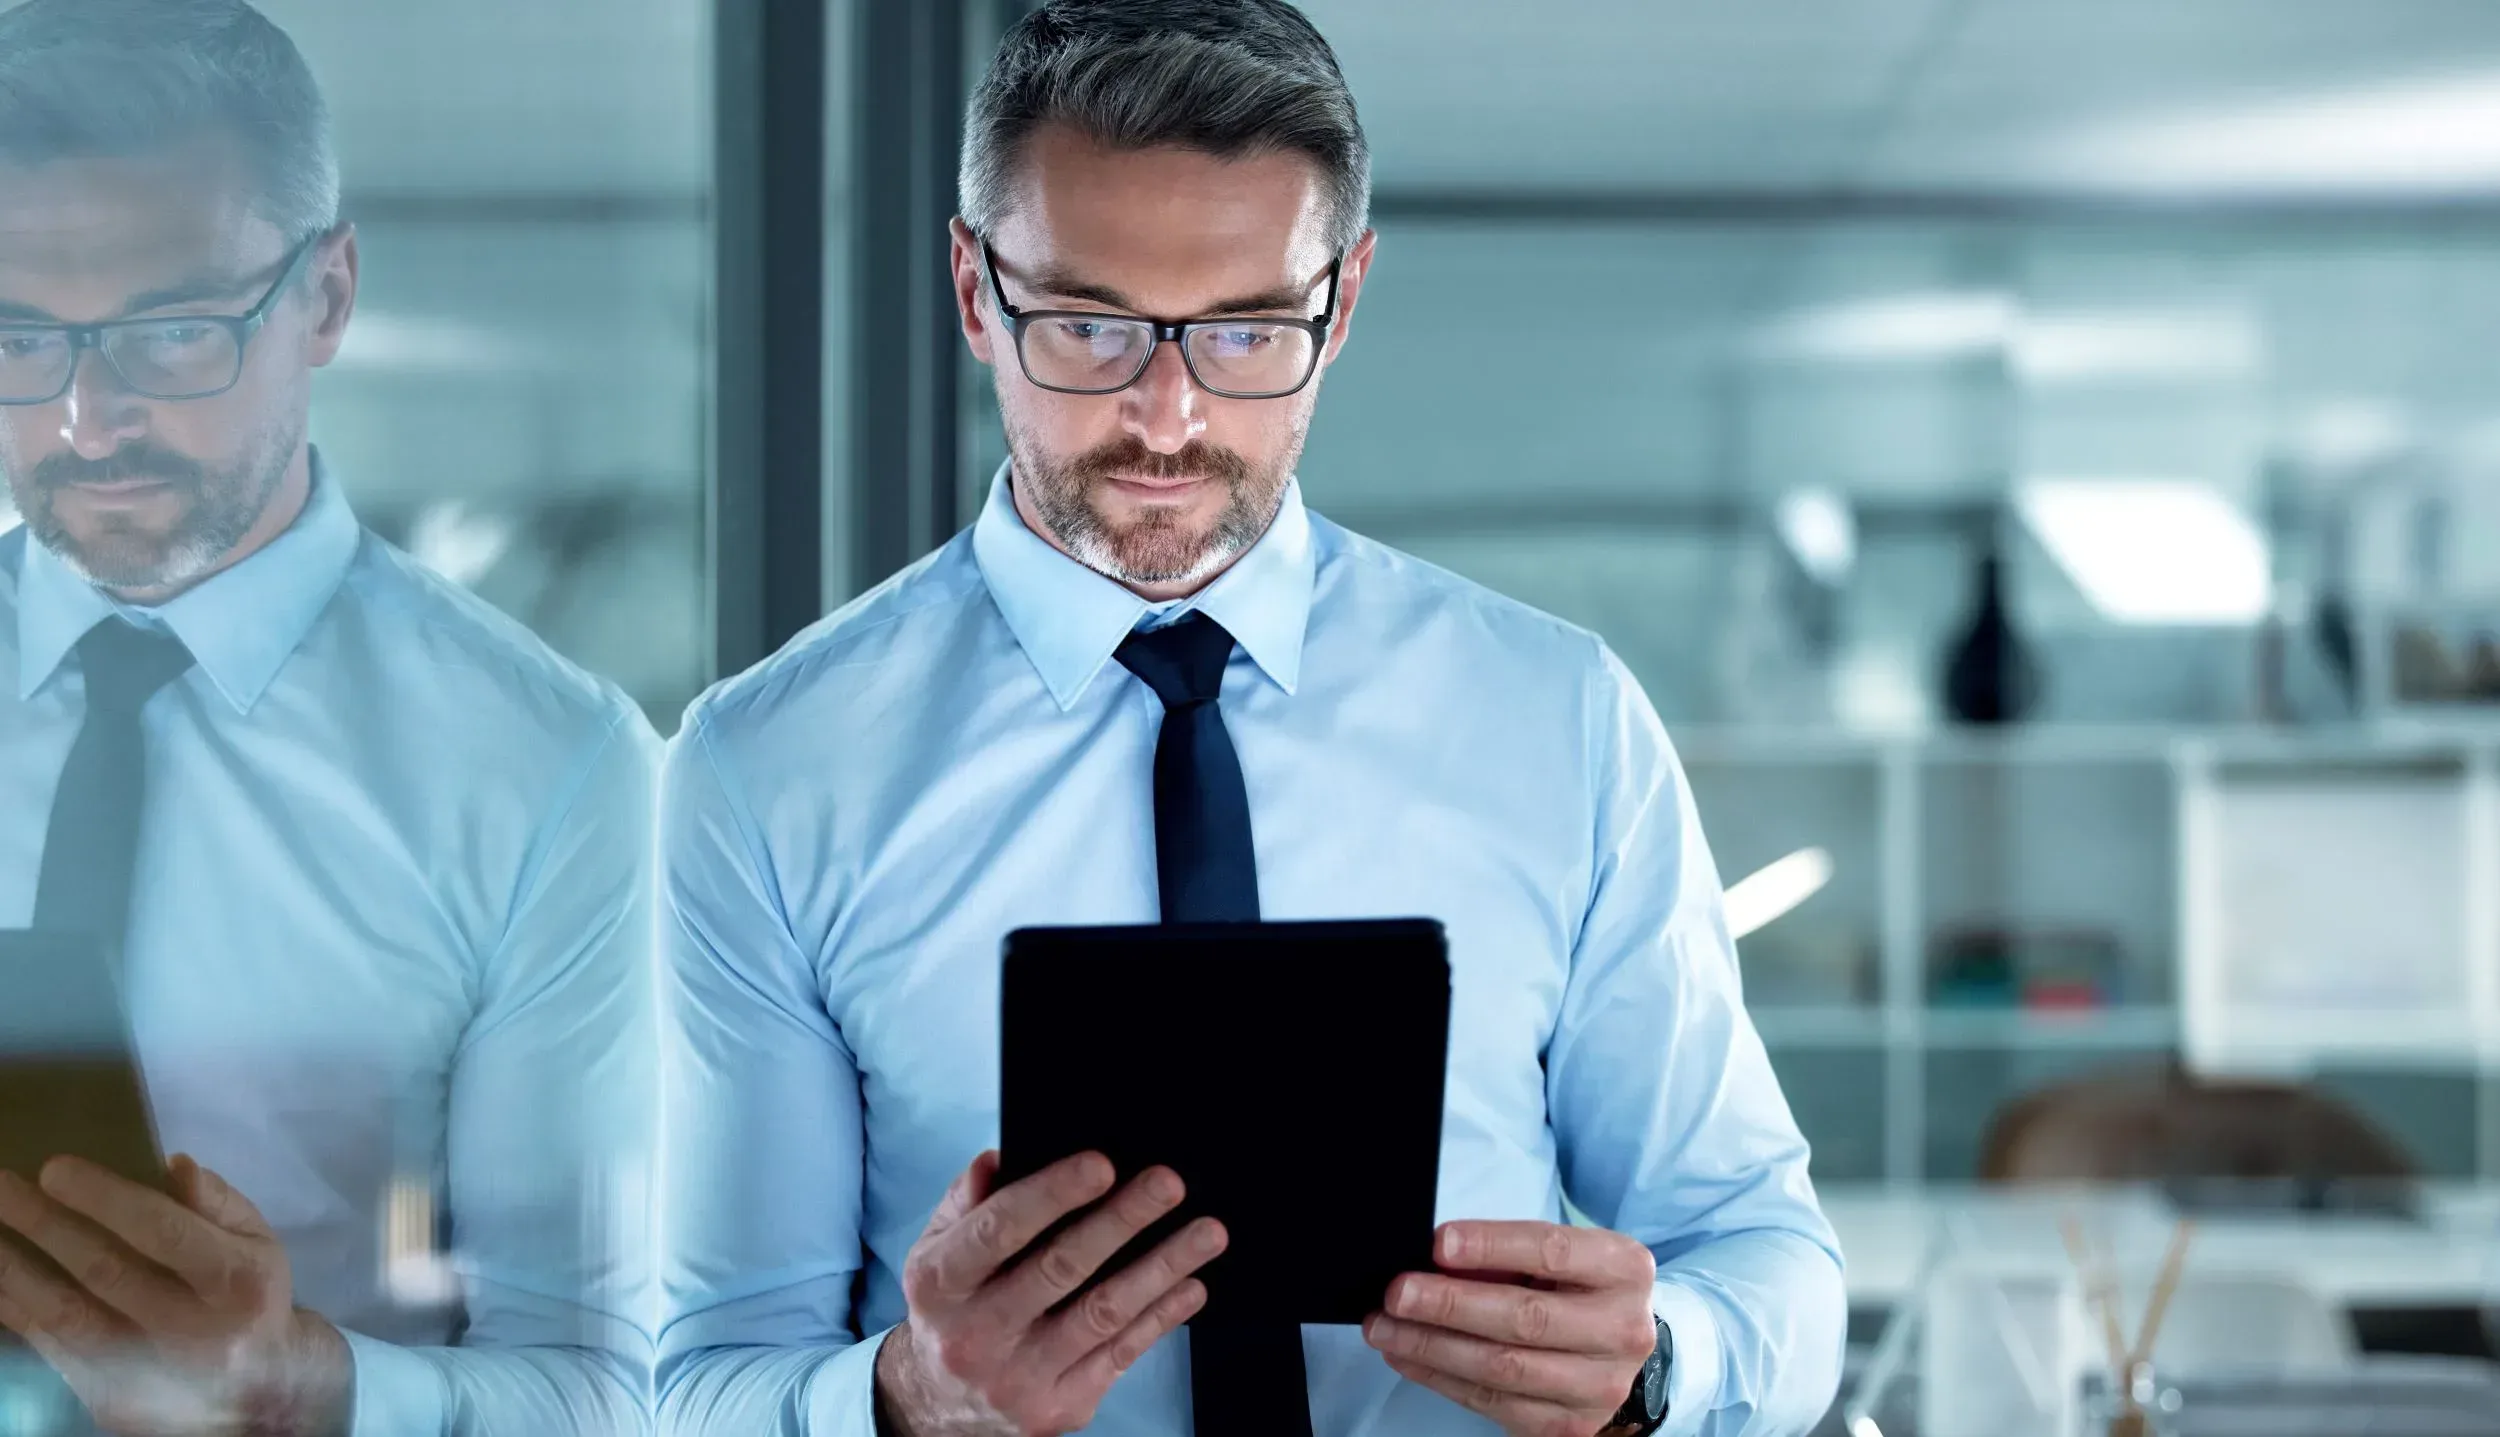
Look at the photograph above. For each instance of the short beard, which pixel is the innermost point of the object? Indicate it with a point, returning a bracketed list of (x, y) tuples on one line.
[(1157, 550), (225, 505)]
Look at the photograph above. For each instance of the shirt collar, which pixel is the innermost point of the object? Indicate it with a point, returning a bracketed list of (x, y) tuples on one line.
[(240, 624), (1070, 620)]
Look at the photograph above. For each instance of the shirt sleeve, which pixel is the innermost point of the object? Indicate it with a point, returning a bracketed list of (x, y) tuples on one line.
[(762, 1137), (553, 1098), (1670, 1124)]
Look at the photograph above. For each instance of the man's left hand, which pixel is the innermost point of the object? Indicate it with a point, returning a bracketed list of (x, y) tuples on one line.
[(1540, 1327), (170, 1314)]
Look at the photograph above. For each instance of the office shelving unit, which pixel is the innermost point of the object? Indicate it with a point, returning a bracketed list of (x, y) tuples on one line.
[(2116, 831)]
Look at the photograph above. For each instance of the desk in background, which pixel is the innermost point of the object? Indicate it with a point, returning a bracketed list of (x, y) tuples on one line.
[(2450, 1258)]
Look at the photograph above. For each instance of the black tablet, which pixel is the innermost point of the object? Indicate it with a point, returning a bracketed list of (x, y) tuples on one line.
[(69, 1080), (1291, 1073)]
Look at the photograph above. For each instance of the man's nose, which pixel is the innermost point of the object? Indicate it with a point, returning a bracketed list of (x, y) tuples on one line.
[(99, 414), (1163, 408)]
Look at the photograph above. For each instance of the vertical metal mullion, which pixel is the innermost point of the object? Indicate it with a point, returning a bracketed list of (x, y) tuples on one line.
[(767, 409), (942, 367), (906, 388)]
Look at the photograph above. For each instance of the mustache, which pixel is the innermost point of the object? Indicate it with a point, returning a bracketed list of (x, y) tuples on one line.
[(136, 461), (1195, 460)]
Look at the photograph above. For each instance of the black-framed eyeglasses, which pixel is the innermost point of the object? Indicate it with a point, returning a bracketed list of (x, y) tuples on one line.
[(1076, 351), (182, 356)]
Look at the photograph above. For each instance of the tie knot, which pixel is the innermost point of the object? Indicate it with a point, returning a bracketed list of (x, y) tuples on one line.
[(125, 665), (1183, 663)]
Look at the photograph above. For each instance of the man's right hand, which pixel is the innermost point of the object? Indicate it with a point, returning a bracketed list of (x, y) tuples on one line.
[(992, 1347)]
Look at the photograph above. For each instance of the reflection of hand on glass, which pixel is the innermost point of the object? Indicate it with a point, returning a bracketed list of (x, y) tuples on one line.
[(169, 1313)]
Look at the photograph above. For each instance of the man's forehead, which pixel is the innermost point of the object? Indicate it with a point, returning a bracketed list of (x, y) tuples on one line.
[(1173, 229), (139, 218)]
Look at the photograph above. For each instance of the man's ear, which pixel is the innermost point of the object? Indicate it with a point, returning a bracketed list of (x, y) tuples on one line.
[(970, 286), (1355, 269), (335, 273)]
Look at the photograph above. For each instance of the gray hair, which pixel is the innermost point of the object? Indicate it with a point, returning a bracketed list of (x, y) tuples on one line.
[(1230, 78), (84, 79)]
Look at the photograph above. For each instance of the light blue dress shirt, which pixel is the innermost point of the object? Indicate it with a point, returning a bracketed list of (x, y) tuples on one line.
[(848, 830), (391, 935)]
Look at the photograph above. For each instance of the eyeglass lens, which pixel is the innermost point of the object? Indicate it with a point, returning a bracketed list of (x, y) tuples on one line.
[(163, 359), (1245, 358)]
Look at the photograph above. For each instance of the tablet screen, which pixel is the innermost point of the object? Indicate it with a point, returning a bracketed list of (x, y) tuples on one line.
[(1291, 1073)]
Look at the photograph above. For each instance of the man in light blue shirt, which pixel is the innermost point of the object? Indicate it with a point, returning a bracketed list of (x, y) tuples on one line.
[(1162, 246), (381, 895)]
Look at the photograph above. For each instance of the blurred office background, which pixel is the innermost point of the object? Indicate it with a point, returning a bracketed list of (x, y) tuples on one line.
[(2042, 457)]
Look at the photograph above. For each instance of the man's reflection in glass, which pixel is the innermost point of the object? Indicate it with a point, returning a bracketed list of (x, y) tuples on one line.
[(372, 862)]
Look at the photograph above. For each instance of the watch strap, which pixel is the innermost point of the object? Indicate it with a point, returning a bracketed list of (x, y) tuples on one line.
[(1632, 1419)]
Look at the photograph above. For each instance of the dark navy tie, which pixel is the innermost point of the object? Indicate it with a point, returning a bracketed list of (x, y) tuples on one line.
[(1244, 1381), (93, 843)]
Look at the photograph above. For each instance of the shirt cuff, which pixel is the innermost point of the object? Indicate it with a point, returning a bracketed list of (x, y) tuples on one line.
[(1695, 1369), (398, 1392), (842, 1396)]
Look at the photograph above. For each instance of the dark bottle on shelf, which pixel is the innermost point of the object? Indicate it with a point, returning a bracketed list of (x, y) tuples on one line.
[(1991, 676)]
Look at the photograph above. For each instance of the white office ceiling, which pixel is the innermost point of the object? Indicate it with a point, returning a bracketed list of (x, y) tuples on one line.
[(1784, 96), (1988, 95)]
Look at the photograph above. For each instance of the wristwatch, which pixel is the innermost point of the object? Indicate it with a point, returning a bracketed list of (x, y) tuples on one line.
[(1645, 1411)]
